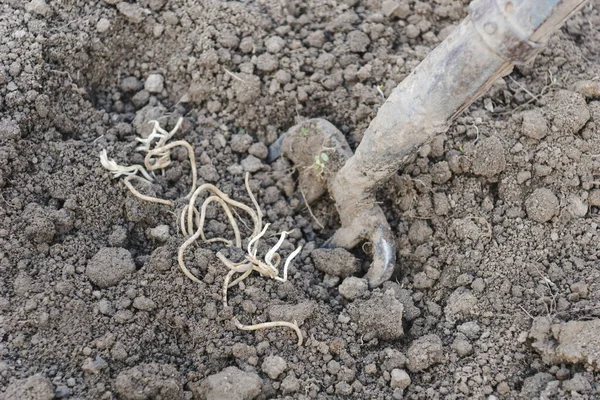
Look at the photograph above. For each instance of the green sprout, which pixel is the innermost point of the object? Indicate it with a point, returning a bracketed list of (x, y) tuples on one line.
[(320, 163), (303, 132)]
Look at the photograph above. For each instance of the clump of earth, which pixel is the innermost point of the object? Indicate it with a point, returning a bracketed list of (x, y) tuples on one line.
[(496, 290)]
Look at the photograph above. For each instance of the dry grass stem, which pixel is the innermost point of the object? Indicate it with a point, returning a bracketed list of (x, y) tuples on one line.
[(234, 76), (310, 210)]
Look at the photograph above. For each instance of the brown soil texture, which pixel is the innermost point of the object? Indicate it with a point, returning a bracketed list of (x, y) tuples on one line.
[(497, 289)]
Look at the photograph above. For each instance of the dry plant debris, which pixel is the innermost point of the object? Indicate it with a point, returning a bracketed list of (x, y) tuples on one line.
[(192, 221), (190, 217), (156, 158)]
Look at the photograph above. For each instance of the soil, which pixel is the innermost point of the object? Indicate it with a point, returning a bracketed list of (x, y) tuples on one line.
[(497, 288)]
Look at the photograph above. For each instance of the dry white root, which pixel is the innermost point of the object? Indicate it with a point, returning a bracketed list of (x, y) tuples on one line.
[(156, 158), (190, 218), (266, 325)]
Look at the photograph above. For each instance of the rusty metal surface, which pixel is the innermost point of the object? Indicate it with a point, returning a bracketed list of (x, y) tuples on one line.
[(507, 26), (497, 30)]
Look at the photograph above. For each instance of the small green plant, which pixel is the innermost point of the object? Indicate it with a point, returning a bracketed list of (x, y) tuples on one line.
[(303, 132), (320, 163), (380, 90)]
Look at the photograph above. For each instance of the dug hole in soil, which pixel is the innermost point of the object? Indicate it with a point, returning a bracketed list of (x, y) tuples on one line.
[(496, 294)]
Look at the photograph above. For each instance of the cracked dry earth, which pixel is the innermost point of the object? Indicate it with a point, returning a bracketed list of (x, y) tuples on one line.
[(497, 288)]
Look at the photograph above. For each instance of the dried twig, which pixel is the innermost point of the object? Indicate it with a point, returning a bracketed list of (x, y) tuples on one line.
[(310, 210)]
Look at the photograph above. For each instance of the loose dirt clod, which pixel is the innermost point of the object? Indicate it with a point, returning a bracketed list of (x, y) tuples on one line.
[(274, 366), (353, 287), (229, 384), (568, 342), (489, 159), (460, 304), (399, 379), (424, 352), (534, 124), (542, 205), (338, 262), (36, 387), (569, 112), (110, 266), (149, 381), (380, 316)]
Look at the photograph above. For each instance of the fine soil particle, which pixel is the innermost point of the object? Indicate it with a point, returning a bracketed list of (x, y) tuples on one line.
[(497, 285)]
